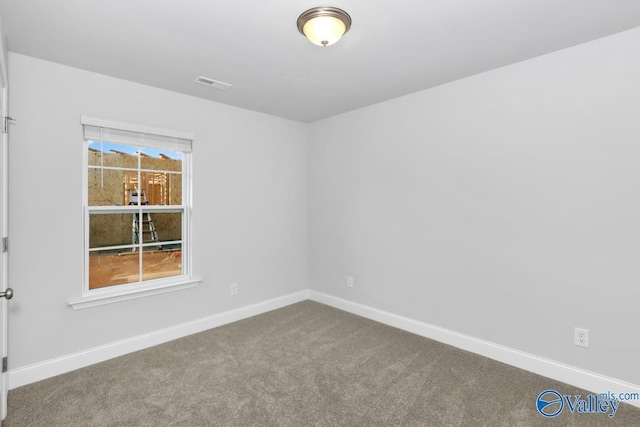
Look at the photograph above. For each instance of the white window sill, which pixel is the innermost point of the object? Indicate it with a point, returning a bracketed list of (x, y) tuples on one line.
[(109, 296)]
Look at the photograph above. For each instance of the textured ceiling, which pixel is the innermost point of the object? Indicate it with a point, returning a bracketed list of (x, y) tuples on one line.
[(393, 48)]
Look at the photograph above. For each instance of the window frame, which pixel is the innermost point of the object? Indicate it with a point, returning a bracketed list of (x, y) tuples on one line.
[(141, 288)]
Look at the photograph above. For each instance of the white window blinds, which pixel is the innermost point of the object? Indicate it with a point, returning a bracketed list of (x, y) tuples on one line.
[(133, 134)]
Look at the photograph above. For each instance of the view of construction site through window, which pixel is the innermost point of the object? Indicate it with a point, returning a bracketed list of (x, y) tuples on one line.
[(135, 214)]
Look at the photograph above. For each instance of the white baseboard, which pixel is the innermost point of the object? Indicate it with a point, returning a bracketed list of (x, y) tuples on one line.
[(60, 365), (571, 375)]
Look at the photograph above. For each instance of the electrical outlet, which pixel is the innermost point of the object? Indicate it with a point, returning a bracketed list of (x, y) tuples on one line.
[(349, 281), (234, 289), (581, 337)]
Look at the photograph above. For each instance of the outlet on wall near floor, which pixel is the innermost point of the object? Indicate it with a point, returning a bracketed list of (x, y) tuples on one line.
[(581, 337), (234, 289), (349, 281)]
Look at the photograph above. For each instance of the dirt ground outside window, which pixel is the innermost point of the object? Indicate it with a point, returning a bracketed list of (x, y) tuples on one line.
[(113, 269)]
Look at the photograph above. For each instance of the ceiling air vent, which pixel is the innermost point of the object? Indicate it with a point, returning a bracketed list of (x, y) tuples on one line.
[(212, 83)]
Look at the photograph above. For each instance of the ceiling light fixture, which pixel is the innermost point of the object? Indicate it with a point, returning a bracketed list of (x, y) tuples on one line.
[(324, 26)]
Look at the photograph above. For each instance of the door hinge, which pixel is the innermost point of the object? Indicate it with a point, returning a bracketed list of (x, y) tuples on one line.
[(5, 364), (5, 125), (5, 244)]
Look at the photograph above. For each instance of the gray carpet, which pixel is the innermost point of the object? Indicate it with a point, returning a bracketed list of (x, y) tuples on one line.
[(303, 365)]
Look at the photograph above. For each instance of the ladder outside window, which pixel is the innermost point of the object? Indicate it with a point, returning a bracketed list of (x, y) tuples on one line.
[(144, 227)]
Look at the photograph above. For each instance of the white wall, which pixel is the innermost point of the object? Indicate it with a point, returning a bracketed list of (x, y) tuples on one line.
[(250, 208), (505, 206)]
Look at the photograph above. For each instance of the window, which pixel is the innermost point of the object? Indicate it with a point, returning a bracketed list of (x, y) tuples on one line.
[(137, 209)]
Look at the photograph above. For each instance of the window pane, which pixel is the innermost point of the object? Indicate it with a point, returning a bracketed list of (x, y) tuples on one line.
[(167, 227), (110, 229), (112, 155), (109, 268), (157, 264), (161, 160), (130, 185), (161, 188), (107, 187)]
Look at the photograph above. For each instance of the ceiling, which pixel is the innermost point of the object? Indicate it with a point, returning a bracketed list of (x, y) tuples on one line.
[(393, 48)]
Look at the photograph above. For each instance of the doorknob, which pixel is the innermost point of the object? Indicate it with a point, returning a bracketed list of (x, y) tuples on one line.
[(8, 294)]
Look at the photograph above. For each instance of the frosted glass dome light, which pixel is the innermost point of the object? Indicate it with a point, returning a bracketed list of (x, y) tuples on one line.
[(324, 26)]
